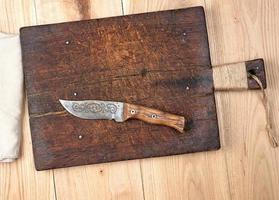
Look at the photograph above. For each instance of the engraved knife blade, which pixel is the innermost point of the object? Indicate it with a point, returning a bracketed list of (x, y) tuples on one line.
[(95, 109)]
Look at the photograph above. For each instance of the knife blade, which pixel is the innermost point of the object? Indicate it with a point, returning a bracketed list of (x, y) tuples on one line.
[(120, 112)]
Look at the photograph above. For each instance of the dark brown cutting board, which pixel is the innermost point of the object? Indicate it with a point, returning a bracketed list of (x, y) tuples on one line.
[(160, 60)]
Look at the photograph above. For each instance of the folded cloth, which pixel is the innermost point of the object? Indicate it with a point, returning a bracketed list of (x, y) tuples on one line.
[(11, 88)]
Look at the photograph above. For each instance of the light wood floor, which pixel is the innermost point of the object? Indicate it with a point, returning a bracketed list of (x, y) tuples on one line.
[(246, 167)]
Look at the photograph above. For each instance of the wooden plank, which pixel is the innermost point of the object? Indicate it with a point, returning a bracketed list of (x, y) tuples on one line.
[(107, 181), (241, 30), (19, 180), (193, 176)]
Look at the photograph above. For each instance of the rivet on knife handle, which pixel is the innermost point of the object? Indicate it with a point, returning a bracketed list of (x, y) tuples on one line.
[(120, 112)]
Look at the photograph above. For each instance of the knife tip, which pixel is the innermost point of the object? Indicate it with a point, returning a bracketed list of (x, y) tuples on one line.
[(62, 101)]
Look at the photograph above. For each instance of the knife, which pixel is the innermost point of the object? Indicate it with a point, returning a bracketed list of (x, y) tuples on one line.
[(120, 112)]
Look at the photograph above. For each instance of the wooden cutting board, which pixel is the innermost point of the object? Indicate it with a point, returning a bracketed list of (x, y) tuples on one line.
[(160, 60)]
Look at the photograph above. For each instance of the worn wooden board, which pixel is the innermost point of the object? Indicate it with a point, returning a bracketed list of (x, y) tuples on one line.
[(161, 55)]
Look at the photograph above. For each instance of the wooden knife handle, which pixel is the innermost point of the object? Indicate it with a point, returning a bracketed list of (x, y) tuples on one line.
[(153, 116)]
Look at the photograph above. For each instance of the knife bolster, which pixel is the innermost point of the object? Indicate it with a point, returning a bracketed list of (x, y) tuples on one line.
[(153, 116)]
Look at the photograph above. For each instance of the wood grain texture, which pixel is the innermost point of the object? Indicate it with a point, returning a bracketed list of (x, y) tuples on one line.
[(107, 181), (118, 180), (72, 10), (19, 180), (143, 6), (154, 116), (15, 14), (252, 164), (101, 61)]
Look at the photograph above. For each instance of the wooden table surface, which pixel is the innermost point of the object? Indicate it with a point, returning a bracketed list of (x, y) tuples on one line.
[(246, 167)]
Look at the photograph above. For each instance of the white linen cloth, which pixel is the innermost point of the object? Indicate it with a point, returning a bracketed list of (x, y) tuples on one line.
[(11, 97)]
